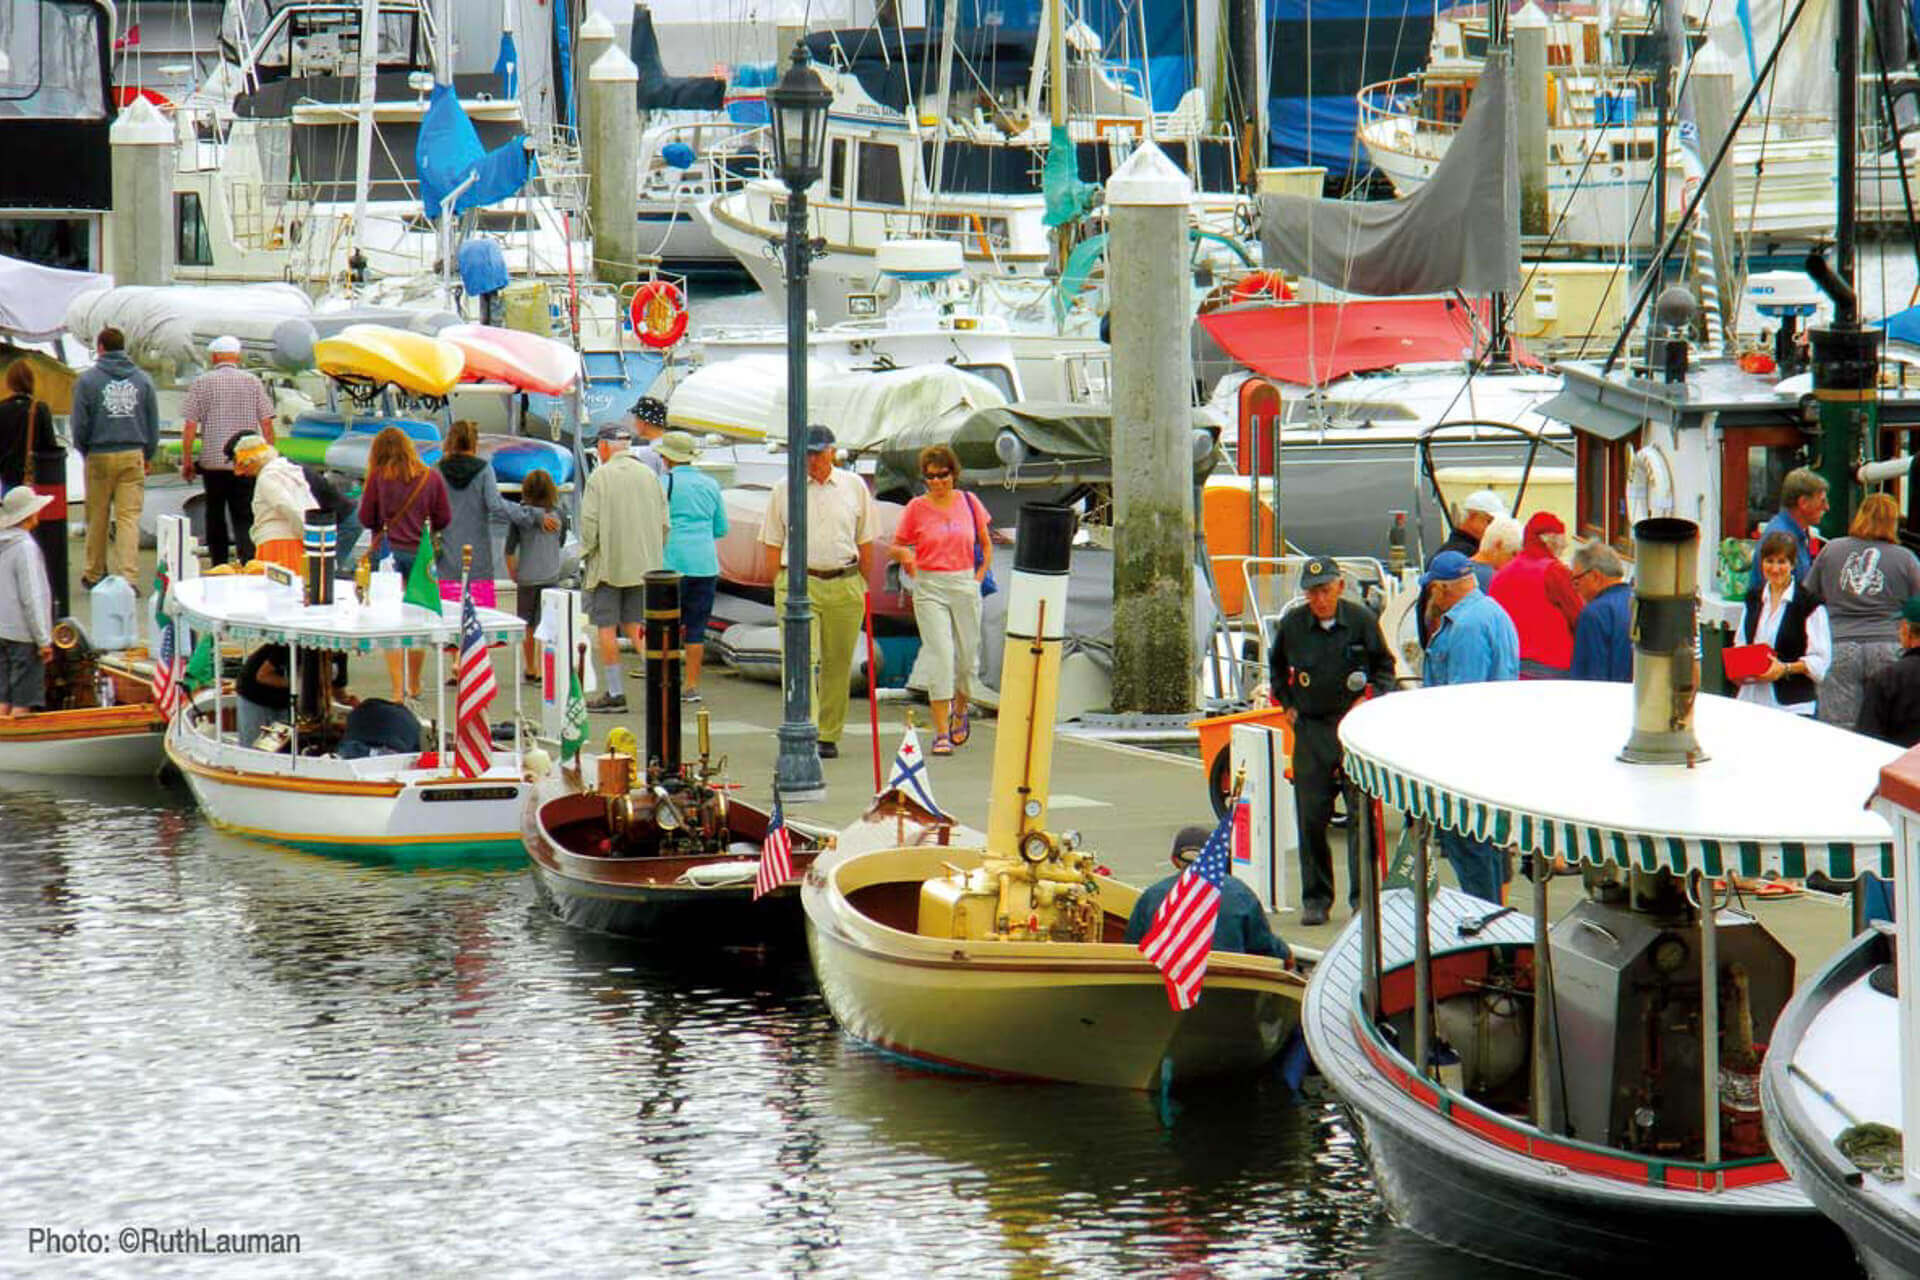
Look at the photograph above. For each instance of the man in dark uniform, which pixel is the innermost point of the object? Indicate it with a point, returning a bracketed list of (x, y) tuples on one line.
[(1890, 706), (1241, 925), (1326, 654)]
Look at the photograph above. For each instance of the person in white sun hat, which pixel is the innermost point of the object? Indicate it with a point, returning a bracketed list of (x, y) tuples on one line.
[(26, 605)]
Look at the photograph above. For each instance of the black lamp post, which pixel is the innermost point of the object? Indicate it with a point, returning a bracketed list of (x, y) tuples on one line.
[(799, 103)]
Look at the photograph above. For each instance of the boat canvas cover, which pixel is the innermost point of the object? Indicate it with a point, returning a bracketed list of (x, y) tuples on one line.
[(449, 151), (1316, 343), (34, 299), (866, 410), (173, 323), (655, 90), (1460, 230), (1056, 434)]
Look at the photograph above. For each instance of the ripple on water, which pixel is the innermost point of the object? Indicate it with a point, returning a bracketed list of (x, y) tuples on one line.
[(427, 1072)]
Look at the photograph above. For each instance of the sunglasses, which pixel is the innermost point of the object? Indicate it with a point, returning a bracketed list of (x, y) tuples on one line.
[(936, 475)]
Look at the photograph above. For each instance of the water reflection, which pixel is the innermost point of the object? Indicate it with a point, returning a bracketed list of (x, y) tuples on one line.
[(425, 1071)]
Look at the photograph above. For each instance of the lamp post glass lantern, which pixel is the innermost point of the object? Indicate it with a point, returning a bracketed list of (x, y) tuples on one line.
[(799, 120)]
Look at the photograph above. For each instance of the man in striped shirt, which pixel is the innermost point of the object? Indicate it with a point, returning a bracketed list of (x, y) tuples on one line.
[(223, 403)]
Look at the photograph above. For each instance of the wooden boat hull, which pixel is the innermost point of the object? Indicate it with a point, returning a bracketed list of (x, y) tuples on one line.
[(1462, 1176), (395, 815), (647, 899), (99, 742), (1082, 1013), (1834, 1026)]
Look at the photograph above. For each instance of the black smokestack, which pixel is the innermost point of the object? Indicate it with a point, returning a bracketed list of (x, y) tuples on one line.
[(663, 658)]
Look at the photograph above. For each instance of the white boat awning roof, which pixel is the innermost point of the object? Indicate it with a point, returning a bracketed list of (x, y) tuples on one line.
[(1535, 765), (245, 607)]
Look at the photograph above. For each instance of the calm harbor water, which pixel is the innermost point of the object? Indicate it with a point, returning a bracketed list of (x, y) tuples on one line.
[(424, 1073)]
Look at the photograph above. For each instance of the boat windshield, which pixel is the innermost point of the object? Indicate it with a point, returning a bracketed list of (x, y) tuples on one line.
[(50, 61), (322, 39)]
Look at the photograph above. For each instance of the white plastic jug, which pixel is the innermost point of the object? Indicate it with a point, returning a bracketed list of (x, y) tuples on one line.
[(115, 613), (384, 593)]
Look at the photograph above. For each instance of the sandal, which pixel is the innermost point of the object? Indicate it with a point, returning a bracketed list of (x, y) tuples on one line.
[(942, 745), (961, 730)]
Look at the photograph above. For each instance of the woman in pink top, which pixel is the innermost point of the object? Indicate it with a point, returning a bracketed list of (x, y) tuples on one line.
[(943, 545)]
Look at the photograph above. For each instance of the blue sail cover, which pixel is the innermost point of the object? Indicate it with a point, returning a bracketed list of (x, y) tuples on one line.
[(1313, 75), (1168, 64), (506, 65), (449, 150)]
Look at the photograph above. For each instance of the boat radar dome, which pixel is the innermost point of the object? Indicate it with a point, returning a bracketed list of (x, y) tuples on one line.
[(1778, 294), (919, 259)]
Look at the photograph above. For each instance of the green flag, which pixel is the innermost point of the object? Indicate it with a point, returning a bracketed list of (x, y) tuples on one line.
[(423, 588), (200, 665), (573, 732)]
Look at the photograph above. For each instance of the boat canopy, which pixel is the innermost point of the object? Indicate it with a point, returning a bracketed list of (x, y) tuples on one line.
[(34, 299), (383, 356), (1460, 230), (251, 607), (1774, 792), (524, 361), (1311, 344)]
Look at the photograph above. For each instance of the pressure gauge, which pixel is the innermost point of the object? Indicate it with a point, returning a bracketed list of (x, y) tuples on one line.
[(1032, 808), (1669, 953), (1036, 847)]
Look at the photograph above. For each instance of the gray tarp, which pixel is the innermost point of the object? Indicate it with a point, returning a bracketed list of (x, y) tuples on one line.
[(1461, 230)]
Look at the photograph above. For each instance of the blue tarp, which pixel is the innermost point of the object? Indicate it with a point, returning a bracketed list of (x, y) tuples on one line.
[(449, 150), (1902, 326), (1320, 53), (507, 65)]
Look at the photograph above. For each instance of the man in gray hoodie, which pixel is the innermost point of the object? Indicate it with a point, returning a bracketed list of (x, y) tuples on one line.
[(116, 428)]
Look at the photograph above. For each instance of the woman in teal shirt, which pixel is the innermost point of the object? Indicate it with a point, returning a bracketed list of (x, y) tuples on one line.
[(696, 521)]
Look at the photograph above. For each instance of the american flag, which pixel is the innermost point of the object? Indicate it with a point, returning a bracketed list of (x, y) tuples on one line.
[(1181, 936), (169, 673), (776, 855), (472, 737)]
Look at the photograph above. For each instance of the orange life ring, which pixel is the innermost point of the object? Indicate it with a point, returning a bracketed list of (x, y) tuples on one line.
[(658, 314), (1262, 284)]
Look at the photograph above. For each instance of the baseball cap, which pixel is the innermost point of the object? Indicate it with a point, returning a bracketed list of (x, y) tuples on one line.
[(615, 432), (1188, 844), (224, 345), (1448, 566), (1319, 571), (1485, 501), (819, 439)]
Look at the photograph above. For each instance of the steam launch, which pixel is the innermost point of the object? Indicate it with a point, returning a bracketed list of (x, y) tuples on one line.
[(1584, 1095), (640, 843), (1009, 960)]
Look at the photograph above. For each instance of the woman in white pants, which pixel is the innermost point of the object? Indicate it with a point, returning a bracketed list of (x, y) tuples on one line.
[(942, 542)]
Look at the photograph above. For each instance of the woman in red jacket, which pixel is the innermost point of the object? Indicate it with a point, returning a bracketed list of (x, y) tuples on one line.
[(1537, 591)]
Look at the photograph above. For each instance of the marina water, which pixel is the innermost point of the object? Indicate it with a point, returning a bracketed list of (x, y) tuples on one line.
[(424, 1073)]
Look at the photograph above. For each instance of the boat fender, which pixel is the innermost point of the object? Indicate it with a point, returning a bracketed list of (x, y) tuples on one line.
[(1262, 284), (711, 874)]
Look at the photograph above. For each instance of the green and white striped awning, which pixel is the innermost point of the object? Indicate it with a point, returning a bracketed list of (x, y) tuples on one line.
[(1535, 766)]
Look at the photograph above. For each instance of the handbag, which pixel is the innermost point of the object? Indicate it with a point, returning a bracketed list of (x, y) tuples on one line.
[(987, 585), (426, 530)]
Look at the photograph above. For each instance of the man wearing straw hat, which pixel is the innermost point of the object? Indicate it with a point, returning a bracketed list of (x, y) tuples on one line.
[(223, 403), (26, 605), (281, 500)]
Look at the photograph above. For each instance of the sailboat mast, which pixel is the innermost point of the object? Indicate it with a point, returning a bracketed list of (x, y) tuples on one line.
[(363, 159), (943, 92), (1497, 339), (1057, 62)]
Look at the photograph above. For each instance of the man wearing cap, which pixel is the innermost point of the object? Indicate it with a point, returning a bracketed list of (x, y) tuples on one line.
[(1890, 704), (1473, 641), (1537, 592), (26, 605), (116, 428), (1326, 655), (1241, 925), (623, 537), (224, 403), (649, 416), (841, 525), (1476, 511)]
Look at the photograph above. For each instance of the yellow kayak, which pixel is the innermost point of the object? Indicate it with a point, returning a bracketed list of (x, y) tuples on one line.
[(379, 354)]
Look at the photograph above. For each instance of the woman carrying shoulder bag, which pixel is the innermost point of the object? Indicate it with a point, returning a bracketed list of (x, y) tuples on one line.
[(943, 542), (26, 426), (403, 501)]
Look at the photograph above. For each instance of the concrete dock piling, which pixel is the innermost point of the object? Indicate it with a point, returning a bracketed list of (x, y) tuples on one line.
[(613, 166), (1529, 28), (1152, 362), (140, 229), (596, 37)]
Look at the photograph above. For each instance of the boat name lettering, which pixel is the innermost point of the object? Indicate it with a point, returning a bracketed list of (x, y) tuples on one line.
[(447, 795)]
